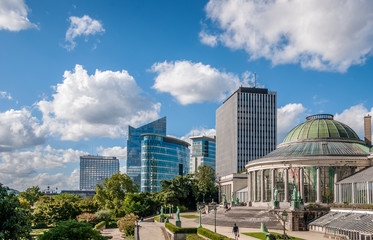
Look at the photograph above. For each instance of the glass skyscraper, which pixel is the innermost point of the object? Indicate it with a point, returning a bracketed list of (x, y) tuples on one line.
[(134, 146), (203, 152), (162, 158), (246, 126), (94, 169)]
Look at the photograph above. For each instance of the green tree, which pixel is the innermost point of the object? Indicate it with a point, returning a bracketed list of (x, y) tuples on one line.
[(86, 205), (141, 204), (32, 194), (205, 180), (68, 196), (179, 191), (112, 192), (15, 222), (51, 210), (72, 230)]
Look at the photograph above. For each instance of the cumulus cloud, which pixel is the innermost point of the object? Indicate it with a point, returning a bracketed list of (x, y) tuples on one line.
[(201, 131), (18, 129), (323, 35), (192, 82), (208, 39), (19, 169), (354, 117), (83, 26), (288, 117), (117, 151), (99, 105), (13, 15)]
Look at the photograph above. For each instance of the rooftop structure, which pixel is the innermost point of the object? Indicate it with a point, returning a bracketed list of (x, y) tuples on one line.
[(203, 152)]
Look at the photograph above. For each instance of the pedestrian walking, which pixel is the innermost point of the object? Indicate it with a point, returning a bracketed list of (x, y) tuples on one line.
[(236, 231)]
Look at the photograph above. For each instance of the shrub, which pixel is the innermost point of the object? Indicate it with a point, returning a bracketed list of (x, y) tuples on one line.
[(194, 237), (87, 217), (210, 234), (40, 225), (176, 229), (127, 224), (103, 215), (100, 225), (72, 230)]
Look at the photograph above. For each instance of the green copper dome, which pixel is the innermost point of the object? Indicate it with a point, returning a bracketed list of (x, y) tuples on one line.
[(321, 126)]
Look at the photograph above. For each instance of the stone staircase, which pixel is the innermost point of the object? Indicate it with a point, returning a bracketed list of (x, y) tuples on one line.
[(247, 217)]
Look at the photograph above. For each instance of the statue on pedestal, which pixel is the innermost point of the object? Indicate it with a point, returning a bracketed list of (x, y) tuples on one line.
[(178, 222), (161, 216)]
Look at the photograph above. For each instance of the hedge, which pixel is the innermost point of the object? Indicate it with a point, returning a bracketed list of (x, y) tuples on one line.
[(100, 225), (175, 229), (194, 237), (210, 234)]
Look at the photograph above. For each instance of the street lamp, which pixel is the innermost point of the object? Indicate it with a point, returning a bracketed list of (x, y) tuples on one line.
[(215, 217), (200, 222), (284, 217)]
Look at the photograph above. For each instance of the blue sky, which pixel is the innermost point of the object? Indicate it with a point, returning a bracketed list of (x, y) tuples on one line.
[(74, 74)]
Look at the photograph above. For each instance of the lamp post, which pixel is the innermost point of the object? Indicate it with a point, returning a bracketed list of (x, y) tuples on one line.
[(172, 210), (284, 216), (215, 217), (200, 222)]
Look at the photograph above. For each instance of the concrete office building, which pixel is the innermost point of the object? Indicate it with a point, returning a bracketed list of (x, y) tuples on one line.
[(162, 158), (94, 169), (245, 128), (203, 152), (134, 146)]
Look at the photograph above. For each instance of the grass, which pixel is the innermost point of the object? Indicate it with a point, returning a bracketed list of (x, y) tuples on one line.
[(262, 236), (189, 216), (194, 237), (37, 232)]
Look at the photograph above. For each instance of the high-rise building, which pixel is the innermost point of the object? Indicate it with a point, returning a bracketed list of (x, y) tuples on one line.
[(162, 158), (245, 128), (203, 152), (94, 169), (134, 146)]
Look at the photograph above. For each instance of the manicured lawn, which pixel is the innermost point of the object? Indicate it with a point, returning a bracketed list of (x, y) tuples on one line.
[(189, 216), (262, 236), (36, 232)]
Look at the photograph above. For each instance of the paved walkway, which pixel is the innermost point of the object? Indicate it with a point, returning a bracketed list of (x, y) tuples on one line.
[(151, 231), (114, 232)]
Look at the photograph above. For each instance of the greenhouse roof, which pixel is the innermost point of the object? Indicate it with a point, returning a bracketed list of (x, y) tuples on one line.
[(365, 175)]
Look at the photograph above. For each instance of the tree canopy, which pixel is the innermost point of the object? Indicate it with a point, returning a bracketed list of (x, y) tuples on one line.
[(205, 177), (31, 194)]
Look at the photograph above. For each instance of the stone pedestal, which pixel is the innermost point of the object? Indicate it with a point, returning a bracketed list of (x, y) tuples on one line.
[(161, 218), (178, 224), (276, 205), (294, 205)]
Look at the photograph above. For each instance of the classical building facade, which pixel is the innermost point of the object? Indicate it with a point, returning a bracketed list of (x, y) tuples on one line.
[(94, 169), (245, 129), (162, 158), (134, 146), (203, 152), (312, 159)]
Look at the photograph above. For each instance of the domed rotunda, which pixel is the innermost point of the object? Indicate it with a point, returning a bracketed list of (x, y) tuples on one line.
[(313, 157)]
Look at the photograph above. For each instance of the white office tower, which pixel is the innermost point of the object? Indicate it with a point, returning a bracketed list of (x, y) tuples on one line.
[(245, 128)]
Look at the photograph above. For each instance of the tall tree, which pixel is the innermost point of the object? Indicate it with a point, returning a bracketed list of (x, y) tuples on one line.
[(31, 194), (15, 221), (112, 192), (205, 177)]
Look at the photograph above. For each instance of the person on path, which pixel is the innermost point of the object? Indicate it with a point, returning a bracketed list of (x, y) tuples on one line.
[(235, 231)]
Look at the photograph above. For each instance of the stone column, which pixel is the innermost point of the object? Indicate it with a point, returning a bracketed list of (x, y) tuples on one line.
[(352, 193), (301, 182), (286, 185), (272, 183), (261, 185), (318, 185), (249, 187), (335, 183), (254, 190)]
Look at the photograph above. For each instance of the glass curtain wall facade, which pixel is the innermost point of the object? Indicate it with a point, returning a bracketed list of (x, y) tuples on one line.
[(203, 152), (134, 146), (162, 158), (94, 169)]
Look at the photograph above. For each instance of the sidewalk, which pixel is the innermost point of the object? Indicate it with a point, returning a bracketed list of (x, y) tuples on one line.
[(113, 232)]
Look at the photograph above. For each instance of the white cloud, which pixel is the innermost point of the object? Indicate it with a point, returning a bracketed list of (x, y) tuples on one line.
[(117, 151), (208, 39), (5, 95), (99, 105), (288, 117), (354, 117), (192, 82), (18, 129), (22, 169), (13, 15), (83, 26), (199, 132), (323, 35)]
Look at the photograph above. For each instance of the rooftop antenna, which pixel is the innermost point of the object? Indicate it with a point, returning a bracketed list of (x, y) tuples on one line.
[(254, 79)]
